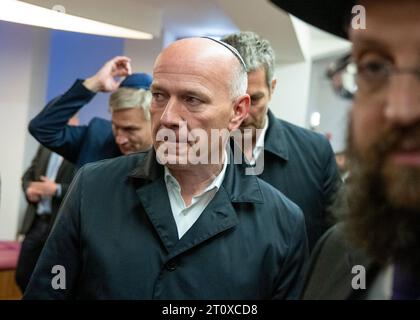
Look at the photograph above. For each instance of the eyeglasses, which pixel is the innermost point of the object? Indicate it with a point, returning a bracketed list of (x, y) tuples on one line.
[(349, 78)]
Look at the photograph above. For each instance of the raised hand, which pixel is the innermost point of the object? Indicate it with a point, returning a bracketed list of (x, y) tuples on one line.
[(105, 79)]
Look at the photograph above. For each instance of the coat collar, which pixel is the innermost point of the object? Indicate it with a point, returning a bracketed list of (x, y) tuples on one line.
[(147, 168), (219, 215), (275, 141), (240, 187)]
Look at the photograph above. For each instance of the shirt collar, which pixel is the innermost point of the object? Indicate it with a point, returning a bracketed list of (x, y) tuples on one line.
[(171, 181), (259, 145)]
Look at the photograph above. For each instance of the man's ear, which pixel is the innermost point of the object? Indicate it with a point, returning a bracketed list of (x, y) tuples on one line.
[(273, 86), (240, 111)]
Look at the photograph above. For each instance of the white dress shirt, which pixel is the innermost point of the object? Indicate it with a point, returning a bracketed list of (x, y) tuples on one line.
[(54, 163), (259, 146), (186, 216), (381, 288)]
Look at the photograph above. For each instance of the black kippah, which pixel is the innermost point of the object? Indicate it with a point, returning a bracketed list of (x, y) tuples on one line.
[(231, 49)]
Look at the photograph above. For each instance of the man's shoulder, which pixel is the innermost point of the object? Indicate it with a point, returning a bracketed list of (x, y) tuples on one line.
[(332, 243), (271, 192), (330, 271), (99, 128), (100, 122), (275, 201), (120, 166), (303, 135)]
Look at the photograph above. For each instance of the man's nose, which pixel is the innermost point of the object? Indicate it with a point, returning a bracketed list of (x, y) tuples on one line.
[(403, 103), (120, 138), (171, 116)]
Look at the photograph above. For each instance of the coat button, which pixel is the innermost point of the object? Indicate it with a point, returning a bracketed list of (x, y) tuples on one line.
[(171, 265)]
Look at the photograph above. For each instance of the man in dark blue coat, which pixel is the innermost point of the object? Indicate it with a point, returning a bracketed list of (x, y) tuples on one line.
[(128, 131), (296, 161), (162, 225)]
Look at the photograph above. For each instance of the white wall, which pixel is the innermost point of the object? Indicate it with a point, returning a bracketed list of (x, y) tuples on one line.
[(302, 88), (143, 53), (290, 99), (333, 109), (23, 65)]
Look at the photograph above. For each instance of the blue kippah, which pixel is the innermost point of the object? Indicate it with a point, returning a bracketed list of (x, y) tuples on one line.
[(137, 81)]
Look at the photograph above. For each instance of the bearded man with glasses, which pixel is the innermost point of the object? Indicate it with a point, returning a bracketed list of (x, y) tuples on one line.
[(375, 252)]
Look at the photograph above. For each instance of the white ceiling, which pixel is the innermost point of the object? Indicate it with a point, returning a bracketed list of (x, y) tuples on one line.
[(182, 18), (194, 17)]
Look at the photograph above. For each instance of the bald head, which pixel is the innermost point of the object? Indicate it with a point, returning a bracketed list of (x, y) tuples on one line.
[(198, 85), (208, 56)]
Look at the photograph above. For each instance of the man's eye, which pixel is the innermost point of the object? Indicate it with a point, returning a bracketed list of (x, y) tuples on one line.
[(192, 101), (157, 96), (374, 69), (255, 100)]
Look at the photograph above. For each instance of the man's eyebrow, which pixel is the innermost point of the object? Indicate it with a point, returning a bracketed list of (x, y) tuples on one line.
[(362, 42), (127, 126), (257, 95), (156, 86), (182, 92), (192, 92)]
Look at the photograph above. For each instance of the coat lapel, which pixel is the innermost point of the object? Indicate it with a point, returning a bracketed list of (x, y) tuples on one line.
[(151, 191), (275, 141), (44, 159), (155, 201), (218, 216)]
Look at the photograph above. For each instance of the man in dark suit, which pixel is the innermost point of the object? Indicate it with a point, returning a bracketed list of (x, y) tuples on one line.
[(44, 183), (375, 252), (127, 132), (158, 224), (296, 161)]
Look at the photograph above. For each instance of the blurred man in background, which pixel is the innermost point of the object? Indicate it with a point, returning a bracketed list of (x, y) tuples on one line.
[(45, 184), (127, 132), (296, 161), (375, 252)]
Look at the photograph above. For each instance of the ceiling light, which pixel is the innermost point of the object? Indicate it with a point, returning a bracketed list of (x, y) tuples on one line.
[(25, 13)]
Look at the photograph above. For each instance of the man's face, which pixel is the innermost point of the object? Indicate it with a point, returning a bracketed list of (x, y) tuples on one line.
[(384, 134), (386, 121), (190, 94), (260, 95), (131, 130)]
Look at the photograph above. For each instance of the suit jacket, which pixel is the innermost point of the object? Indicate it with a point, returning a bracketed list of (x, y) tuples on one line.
[(301, 164), (329, 275), (77, 144), (117, 239), (37, 169)]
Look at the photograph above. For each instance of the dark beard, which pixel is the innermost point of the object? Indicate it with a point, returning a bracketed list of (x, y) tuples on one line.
[(383, 213)]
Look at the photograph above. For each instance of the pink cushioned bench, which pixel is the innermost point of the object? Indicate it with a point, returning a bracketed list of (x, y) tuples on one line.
[(9, 253)]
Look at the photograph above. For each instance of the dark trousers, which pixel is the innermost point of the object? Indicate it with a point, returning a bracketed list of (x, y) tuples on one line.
[(31, 249)]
